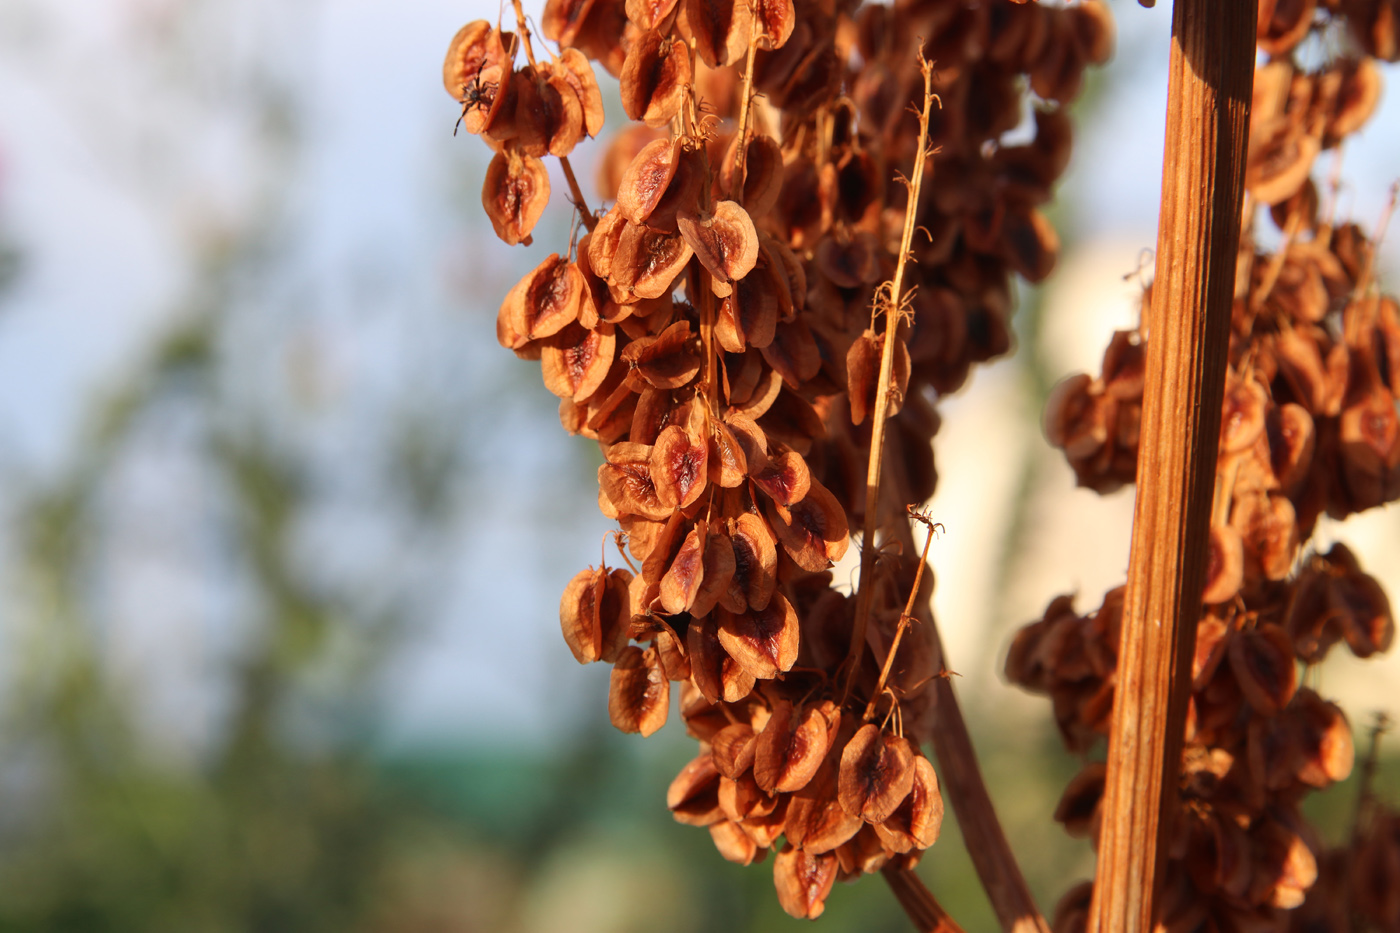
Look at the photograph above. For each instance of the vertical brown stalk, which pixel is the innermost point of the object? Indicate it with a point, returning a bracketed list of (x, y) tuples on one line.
[(1212, 66), (918, 901)]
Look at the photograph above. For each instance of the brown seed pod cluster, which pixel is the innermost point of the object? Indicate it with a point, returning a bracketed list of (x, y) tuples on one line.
[(1309, 425), (716, 333)]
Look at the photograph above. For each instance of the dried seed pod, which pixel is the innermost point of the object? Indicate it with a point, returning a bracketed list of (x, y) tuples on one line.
[(647, 261), (552, 298), (715, 671), (644, 182), (679, 467), (803, 881), (790, 749), (863, 375), (1269, 527), (639, 694), (1327, 750), (682, 580), (785, 479), (514, 194), (1224, 565), (693, 797), (877, 773), (763, 174), (1370, 438), (1262, 662), (729, 465), (724, 241), (626, 481), (1362, 610), (793, 353), (647, 15), (748, 316), (563, 19), (1292, 440), (1078, 808), (575, 362), (719, 28), (719, 572), (654, 78), (574, 69), (763, 641), (477, 73), (813, 531), (548, 113), (667, 361), (916, 823), (1242, 415), (1279, 168), (733, 748), (733, 843), (594, 614), (755, 565)]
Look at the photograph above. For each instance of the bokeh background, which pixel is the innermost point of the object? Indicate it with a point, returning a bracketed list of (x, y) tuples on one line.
[(283, 530)]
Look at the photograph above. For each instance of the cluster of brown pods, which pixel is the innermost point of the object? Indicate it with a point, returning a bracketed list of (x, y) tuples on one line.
[(719, 332), (1310, 425)]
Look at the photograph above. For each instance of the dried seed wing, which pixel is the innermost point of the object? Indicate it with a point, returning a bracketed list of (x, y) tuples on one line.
[(813, 531), (719, 571), (682, 580), (763, 641), (644, 182), (679, 467), (1263, 664), (733, 749), (580, 615), (667, 361), (790, 749), (803, 881), (877, 773), (712, 668), (654, 78), (575, 361), (514, 194), (626, 481), (725, 241), (639, 693), (693, 797)]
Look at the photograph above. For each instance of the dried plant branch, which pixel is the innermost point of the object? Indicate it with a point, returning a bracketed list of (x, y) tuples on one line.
[(918, 901), (1211, 76), (580, 203), (524, 33), (882, 394), (745, 110), (908, 614)]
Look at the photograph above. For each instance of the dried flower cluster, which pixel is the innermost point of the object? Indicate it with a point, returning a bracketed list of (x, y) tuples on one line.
[(720, 332), (1309, 425)]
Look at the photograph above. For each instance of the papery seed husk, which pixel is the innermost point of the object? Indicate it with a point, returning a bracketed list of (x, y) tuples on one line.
[(803, 881), (562, 19), (720, 29), (919, 819), (718, 675), (728, 465), (785, 479), (755, 573), (667, 361), (732, 749), (603, 242), (793, 353), (1263, 665), (682, 580), (664, 549), (574, 362), (733, 843), (719, 571), (648, 261), (644, 182), (626, 481), (514, 194), (790, 749), (813, 531), (580, 614), (742, 798), (693, 796), (750, 438), (1079, 804), (763, 641), (877, 773), (639, 694), (654, 78), (724, 241), (1224, 565), (679, 467)]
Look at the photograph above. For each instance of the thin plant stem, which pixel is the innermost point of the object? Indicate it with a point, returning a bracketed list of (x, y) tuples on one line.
[(918, 901), (580, 202), (892, 300), (908, 614)]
